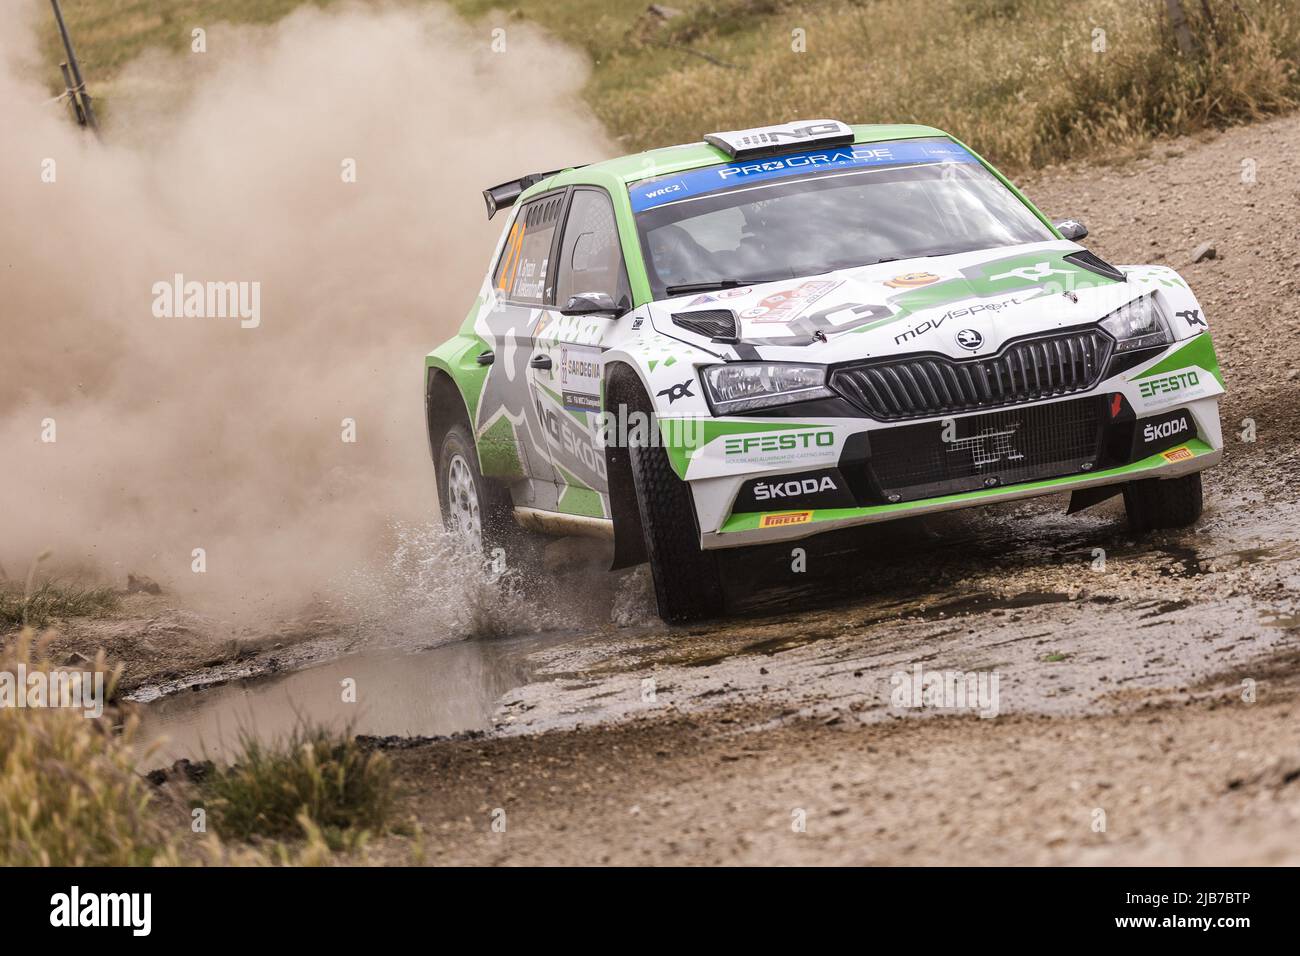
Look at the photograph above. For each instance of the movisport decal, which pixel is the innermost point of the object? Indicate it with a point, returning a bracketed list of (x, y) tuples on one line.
[(696, 182), (931, 324)]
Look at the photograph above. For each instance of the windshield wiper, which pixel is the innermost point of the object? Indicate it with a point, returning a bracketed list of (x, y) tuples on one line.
[(715, 285), (923, 255)]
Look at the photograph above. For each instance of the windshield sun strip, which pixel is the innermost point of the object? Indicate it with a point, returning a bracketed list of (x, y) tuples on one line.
[(793, 180)]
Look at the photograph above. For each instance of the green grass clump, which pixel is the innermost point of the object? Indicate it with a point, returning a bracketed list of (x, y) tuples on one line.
[(317, 780)]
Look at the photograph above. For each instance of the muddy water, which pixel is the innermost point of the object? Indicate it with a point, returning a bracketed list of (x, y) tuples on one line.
[(1073, 613), (448, 689)]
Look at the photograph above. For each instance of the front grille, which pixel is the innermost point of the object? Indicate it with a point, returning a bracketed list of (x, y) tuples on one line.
[(1025, 371), (986, 451)]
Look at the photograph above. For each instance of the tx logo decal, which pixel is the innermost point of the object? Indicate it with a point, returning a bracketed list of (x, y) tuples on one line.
[(1035, 273), (1193, 317), (678, 391)]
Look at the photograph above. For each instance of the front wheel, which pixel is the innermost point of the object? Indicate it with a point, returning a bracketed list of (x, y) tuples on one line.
[(687, 581), (1153, 503)]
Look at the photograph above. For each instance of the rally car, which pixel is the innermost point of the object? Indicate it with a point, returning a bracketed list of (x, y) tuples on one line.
[(787, 330)]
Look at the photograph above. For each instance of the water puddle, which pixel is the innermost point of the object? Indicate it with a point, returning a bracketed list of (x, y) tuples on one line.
[(445, 690)]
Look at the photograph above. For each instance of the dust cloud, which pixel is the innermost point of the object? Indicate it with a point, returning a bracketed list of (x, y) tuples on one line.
[(226, 434)]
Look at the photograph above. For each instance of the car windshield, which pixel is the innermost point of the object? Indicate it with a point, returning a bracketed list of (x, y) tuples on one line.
[(771, 219)]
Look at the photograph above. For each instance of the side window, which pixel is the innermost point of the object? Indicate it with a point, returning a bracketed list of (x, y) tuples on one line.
[(524, 272), (591, 259)]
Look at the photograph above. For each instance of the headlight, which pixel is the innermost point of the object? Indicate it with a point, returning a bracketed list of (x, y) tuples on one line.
[(1138, 325), (741, 386)]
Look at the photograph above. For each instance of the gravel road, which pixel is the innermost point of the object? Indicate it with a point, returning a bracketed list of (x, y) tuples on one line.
[(1145, 709)]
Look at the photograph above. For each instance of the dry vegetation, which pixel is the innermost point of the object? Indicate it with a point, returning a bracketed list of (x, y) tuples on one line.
[(1026, 82), (1021, 80), (50, 601), (71, 793)]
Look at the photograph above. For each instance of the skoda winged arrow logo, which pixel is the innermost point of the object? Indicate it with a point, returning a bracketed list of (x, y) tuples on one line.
[(989, 447), (969, 339)]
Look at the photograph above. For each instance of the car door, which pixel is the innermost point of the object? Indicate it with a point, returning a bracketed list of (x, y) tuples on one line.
[(511, 436), (568, 392)]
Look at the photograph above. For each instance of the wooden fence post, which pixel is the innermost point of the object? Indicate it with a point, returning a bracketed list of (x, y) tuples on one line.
[(79, 89)]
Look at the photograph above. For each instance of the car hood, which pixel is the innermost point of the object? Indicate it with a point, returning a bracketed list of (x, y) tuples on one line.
[(964, 305)]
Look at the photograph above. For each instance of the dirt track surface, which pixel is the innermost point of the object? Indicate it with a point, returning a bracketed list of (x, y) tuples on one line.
[(1196, 784), (1124, 692), (1146, 709)]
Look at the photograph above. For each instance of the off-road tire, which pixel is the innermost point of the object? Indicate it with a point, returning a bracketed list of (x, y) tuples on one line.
[(496, 510), (1154, 503), (686, 578)]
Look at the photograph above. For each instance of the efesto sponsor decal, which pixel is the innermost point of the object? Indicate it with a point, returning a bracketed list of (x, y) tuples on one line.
[(785, 441), (1176, 382)]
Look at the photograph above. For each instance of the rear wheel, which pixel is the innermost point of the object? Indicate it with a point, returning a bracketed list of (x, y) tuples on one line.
[(686, 577), (1154, 503), (477, 510)]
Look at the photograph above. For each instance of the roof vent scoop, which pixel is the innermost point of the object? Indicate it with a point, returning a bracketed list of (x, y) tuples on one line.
[(716, 324), (767, 140)]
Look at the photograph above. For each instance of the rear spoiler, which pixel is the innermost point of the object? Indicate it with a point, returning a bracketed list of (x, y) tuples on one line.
[(505, 195)]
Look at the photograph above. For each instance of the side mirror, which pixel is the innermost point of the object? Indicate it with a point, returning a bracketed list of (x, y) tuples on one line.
[(1072, 229), (591, 303)]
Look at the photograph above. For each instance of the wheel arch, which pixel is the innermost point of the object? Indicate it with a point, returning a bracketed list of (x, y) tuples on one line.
[(444, 405), (621, 382)]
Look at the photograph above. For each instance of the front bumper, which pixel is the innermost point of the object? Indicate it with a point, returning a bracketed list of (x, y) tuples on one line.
[(745, 529), (820, 468)]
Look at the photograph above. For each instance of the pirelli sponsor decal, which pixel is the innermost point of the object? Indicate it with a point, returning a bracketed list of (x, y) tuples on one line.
[(781, 519), (1181, 453)]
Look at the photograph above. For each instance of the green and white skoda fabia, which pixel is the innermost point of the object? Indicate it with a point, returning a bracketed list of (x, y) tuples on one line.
[(788, 330)]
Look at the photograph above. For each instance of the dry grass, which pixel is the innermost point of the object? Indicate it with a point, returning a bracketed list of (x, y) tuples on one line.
[(37, 607), (108, 34), (69, 793), (1020, 80)]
